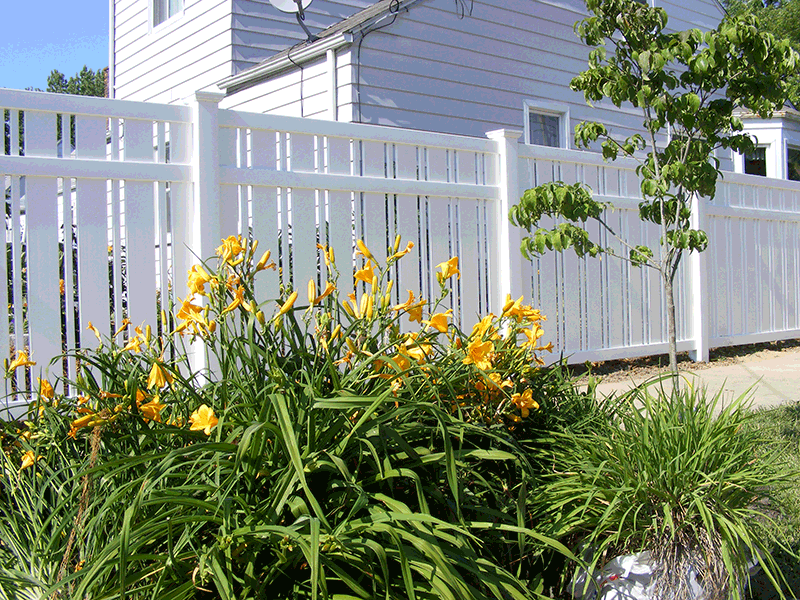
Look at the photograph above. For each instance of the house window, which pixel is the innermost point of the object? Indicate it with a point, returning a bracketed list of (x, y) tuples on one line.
[(755, 163), (793, 163), (546, 125), (164, 9)]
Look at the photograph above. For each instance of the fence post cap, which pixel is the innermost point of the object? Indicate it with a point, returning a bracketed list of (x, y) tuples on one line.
[(208, 96), (509, 134)]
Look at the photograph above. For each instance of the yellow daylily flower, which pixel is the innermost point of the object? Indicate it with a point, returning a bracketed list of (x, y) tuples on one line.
[(93, 329), (403, 252), (366, 274), (21, 361), (230, 249), (479, 353), (45, 389), (525, 402), (448, 268), (439, 320), (415, 312), (28, 460), (203, 419), (152, 410), (125, 323), (198, 278), (159, 377), (238, 300), (329, 288)]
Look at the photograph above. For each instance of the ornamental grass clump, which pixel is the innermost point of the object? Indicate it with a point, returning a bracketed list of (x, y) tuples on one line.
[(678, 475), (357, 448)]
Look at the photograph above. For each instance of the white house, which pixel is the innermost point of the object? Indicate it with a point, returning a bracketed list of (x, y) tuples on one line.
[(461, 67)]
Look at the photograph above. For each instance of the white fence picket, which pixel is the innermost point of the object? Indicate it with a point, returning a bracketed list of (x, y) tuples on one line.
[(42, 268)]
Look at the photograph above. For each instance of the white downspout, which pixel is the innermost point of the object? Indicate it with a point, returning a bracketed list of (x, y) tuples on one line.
[(111, 46), (334, 107)]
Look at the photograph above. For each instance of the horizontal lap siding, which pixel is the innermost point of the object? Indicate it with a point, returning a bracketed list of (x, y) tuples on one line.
[(187, 53), (690, 14), (294, 94), (431, 69), (261, 30)]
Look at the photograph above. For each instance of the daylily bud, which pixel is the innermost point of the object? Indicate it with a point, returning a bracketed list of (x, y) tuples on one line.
[(362, 305), (260, 317), (374, 282), (287, 306), (364, 250), (348, 309), (396, 243), (148, 333), (253, 247), (312, 291), (389, 286), (336, 331), (370, 303), (262, 263)]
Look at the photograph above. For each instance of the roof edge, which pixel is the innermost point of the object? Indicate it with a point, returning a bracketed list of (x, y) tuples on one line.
[(280, 63)]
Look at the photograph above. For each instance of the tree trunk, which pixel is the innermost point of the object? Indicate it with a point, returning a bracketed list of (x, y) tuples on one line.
[(673, 340)]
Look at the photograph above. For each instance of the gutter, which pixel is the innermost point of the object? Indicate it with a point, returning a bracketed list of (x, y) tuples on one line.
[(303, 55)]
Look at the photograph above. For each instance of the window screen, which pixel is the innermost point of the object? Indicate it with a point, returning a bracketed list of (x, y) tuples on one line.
[(164, 9), (793, 164), (755, 163), (544, 130)]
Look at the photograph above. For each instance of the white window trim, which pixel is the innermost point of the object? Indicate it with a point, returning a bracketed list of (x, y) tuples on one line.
[(548, 108), (166, 22)]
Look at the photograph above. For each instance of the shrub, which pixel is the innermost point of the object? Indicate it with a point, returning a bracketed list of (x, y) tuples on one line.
[(329, 452), (678, 475)]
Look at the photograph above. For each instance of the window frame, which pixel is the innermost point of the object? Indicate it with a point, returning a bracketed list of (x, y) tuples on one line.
[(561, 111), (765, 148), (168, 19)]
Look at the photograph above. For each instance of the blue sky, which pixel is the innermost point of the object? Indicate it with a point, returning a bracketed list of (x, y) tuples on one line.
[(42, 35)]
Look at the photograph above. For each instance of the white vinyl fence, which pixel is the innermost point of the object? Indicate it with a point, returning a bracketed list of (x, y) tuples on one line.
[(136, 193)]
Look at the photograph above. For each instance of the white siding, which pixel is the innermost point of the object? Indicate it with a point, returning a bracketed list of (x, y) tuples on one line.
[(690, 14), (432, 70), (188, 52), (260, 30), (303, 93)]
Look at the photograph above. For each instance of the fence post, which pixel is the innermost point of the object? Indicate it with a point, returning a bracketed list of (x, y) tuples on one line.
[(507, 279), (202, 222), (698, 288)]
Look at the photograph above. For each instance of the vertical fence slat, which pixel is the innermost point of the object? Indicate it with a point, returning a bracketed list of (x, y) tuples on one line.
[(42, 268), (93, 284), (265, 228), (340, 234), (40, 134), (304, 240), (141, 265)]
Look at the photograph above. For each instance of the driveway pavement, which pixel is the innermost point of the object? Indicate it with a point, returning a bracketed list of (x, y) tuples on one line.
[(772, 380)]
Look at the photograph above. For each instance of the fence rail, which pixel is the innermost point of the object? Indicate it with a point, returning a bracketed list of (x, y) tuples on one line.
[(108, 203)]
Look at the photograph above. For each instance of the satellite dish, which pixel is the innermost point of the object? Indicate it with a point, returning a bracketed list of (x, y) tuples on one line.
[(290, 6), (298, 7)]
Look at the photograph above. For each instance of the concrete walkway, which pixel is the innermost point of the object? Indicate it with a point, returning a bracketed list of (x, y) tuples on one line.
[(774, 380)]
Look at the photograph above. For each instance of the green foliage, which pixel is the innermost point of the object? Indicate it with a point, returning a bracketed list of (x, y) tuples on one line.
[(84, 83), (780, 18), (687, 86), (677, 475), (330, 453)]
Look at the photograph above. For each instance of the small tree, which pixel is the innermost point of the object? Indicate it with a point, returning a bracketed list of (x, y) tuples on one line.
[(688, 86)]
